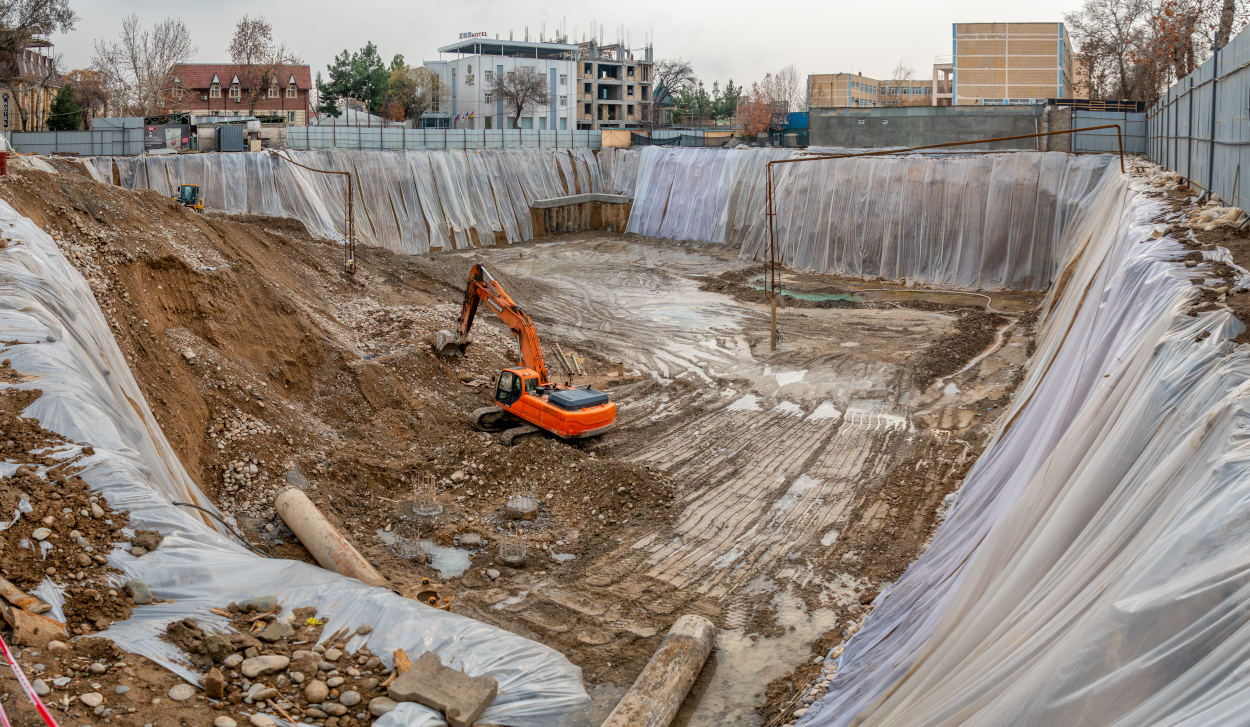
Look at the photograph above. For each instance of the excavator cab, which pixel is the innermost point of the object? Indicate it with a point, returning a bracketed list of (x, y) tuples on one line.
[(189, 196)]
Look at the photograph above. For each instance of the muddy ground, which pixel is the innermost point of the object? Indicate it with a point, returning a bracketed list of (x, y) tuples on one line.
[(774, 492)]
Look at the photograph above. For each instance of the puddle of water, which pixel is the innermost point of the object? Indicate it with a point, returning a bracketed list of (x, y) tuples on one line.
[(449, 562), (758, 284), (742, 666), (801, 484), (789, 408), (826, 410), (829, 538)]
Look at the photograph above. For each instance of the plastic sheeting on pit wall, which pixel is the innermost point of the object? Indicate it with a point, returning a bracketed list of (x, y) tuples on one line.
[(981, 222), (409, 202), (1096, 566), (90, 397)]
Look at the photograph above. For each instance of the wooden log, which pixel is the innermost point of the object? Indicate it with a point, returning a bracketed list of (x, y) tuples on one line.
[(22, 599), (662, 686)]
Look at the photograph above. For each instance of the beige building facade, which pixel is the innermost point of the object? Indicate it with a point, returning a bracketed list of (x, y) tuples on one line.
[(851, 90), (999, 64)]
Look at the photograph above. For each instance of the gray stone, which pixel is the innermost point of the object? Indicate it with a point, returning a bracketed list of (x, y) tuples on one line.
[(333, 654), (315, 713), (61, 681), (276, 631), (260, 604), (260, 692), (492, 574), (316, 692), (297, 677), (334, 709), (261, 720), (261, 665), (181, 692), (224, 721), (41, 687), (96, 511), (232, 661), (97, 668), (41, 533), (461, 698), (120, 689), (92, 699), (304, 661), (349, 698), (379, 706), (139, 591), (333, 682)]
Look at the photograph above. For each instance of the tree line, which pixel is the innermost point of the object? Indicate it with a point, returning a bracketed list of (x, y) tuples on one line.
[(1135, 49)]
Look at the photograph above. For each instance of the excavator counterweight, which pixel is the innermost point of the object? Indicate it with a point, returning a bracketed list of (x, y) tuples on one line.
[(525, 400)]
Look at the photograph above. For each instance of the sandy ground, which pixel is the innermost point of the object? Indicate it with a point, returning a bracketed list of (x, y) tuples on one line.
[(774, 492)]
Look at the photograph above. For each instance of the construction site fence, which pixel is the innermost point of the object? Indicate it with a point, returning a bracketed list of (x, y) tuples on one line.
[(390, 138), (1132, 127), (1199, 128), (117, 141)]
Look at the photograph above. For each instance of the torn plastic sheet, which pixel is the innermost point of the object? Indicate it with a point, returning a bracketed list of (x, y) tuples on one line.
[(1096, 565), (90, 397), (987, 221), (410, 202)]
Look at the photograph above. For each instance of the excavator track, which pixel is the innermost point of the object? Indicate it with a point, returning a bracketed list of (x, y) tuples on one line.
[(513, 435), (492, 419)]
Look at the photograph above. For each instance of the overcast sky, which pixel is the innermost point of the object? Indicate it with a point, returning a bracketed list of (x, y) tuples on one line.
[(726, 39)]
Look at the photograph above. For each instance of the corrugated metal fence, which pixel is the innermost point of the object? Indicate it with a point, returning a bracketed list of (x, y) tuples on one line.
[(107, 137), (399, 139), (1200, 127), (1132, 125)]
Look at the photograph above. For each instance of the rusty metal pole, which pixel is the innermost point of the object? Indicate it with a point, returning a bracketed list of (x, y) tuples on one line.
[(349, 245), (771, 275)]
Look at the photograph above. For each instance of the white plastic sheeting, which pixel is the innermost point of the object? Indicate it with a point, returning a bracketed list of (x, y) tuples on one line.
[(984, 222), (408, 202), (90, 397), (1096, 565)]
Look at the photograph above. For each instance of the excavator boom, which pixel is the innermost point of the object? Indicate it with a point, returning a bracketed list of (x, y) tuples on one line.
[(483, 288)]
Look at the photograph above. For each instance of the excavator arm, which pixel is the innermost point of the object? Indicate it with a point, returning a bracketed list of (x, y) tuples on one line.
[(483, 288)]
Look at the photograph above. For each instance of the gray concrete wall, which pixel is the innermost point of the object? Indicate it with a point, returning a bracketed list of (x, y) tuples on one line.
[(920, 125)]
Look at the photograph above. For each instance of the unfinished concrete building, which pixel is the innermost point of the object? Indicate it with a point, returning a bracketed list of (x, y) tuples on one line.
[(614, 86)]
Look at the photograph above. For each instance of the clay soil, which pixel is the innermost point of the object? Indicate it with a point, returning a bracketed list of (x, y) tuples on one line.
[(269, 367)]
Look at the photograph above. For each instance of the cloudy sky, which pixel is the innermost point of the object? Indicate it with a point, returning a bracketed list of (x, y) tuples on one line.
[(725, 39)]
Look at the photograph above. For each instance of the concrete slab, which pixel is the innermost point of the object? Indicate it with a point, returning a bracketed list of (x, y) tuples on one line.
[(460, 697)]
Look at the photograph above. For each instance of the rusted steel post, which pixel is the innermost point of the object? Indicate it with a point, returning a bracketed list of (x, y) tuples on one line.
[(771, 275), (349, 245)]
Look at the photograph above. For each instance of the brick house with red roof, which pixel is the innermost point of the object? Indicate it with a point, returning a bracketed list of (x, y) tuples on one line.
[(220, 89)]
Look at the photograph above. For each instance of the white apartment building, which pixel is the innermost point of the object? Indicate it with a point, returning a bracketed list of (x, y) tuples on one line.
[(473, 65)]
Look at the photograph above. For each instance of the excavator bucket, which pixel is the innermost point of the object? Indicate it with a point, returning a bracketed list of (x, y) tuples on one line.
[(448, 343)]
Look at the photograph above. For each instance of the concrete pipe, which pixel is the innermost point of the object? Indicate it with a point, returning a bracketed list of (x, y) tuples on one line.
[(662, 686), (322, 540)]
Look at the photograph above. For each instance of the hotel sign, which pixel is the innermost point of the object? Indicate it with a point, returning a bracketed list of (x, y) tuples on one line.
[(472, 35)]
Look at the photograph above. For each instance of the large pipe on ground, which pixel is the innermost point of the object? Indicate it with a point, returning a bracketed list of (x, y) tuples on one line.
[(322, 540), (662, 686)]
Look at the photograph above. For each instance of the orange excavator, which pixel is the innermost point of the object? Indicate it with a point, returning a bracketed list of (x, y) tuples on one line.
[(525, 400)]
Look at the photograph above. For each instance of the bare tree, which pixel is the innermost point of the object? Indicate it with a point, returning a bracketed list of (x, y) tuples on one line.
[(521, 90), (671, 78), (23, 20), (788, 88), (900, 79), (1110, 33), (31, 76), (1226, 21), (413, 91), (138, 66), (259, 59)]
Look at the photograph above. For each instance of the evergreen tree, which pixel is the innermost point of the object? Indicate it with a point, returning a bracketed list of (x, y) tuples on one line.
[(361, 75), (66, 114)]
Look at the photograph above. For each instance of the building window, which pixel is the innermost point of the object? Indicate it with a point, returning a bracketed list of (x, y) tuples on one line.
[(542, 123), (488, 77), (490, 122), (564, 124), (236, 93), (290, 117), (629, 90), (564, 101), (564, 79), (273, 91), (292, 91), (587, 109), (527, 122), (630, 109), (215, 91), (630, 71), (586, 88), (490, 98)]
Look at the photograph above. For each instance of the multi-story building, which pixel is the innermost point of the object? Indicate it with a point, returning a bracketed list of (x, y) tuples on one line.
[(469, 76), (1011, 63), (26, 98), (849, 90), (223, 89), (614, 89)]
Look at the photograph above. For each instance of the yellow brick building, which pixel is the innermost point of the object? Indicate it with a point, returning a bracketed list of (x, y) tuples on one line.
[(1011, 63)]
